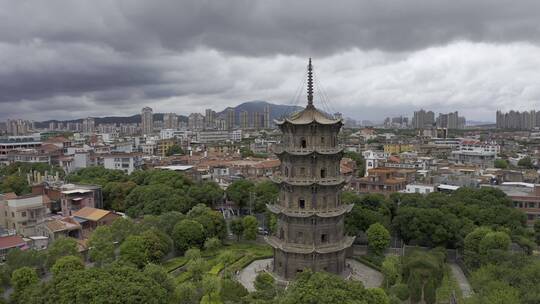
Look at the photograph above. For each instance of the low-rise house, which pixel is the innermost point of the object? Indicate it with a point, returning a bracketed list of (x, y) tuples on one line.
[(90, 218), (10, 242), (379, 180), (22, 213), (56, 227), (526, 197)]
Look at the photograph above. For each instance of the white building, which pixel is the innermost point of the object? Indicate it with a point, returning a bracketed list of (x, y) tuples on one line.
[(127, 162), (374, 159), (418, 188)]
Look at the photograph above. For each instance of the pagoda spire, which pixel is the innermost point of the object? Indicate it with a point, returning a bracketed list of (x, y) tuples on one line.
[(310, 84)]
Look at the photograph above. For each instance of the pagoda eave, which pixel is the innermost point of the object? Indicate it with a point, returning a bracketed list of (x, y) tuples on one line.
[(277, 209), (309, 249)]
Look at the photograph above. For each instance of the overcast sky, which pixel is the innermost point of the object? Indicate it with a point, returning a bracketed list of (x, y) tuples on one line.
[(73, 58)]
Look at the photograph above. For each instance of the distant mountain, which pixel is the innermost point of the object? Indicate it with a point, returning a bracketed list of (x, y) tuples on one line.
[(276, 111)]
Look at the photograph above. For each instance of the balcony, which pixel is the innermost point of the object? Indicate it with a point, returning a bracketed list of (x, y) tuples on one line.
[(323, 213), (307, 181), (277, 243), (280, 148)]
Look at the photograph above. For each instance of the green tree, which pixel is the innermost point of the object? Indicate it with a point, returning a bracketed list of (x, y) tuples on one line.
[(494, 246), (157, 245), (537, 231), (526, 163), (156, 199), (391, 269), (17, 258), (211, 286), (187, 293), (232, 291), (378, 239), (325, 288), (122, 227), (265, 286), (250, 224), (22, 280), (471, 254), (168, 220), (101, 246), (133, 250), (423, 272), (212, 244), (237, 227), (266, 192), (15, 183), (501, 163), (187, 234), (60, 248), (174, 150), (164, 279), (359, 159), (115, 193), (240, 191), (212, 221), (114, 285), (66, 265)]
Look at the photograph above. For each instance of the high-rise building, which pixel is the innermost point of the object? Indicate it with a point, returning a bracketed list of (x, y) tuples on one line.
[(516, 120), (147, 121), (88, 125), (18, 127), (210, 119), (310, 230), (244, 120), (170, 121), (195, 122), (450, 120), (229, 119), (423, 119), (266, 117), (256, 120)]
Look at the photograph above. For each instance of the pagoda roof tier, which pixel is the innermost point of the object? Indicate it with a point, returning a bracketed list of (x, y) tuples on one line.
[(309, 115), (278, 209), (306, 181), (280, 149), (308, 249)]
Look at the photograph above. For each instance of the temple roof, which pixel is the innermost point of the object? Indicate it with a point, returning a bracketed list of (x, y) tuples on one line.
[(309, 115)]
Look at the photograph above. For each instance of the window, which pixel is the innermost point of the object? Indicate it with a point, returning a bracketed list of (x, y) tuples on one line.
[(281, 234), (286, 171), (532, 205), (323, 173), (324, 238), (303, 143), (322, 140), (300, 237), (23, 214), (302, 171), (301, 203)]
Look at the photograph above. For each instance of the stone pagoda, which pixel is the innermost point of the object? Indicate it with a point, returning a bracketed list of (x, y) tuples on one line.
[(310, 231)]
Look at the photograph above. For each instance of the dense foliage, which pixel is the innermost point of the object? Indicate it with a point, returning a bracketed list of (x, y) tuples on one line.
[(13, 177), (148, 192)]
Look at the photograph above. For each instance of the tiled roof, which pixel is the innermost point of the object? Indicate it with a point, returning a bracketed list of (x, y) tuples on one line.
[(92, 214), (11, 241)]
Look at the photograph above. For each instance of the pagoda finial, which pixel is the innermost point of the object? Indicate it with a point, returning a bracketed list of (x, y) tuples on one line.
[(310, 84)]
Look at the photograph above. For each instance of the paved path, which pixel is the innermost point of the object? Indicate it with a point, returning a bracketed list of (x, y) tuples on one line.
[(464, 285), (246, 277), (369, 276)]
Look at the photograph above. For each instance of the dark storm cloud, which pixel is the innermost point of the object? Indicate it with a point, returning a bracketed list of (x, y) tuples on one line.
[(104, 56)]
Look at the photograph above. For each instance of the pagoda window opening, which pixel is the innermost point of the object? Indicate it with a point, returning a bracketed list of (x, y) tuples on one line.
[(303, 143), (286, 171), (281, 234), (322, 140), (323, 173), (302, 171), (302, 203), (324, 238)]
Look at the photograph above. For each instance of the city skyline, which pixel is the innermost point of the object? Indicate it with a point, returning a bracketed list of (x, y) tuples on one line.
[(74, 60)]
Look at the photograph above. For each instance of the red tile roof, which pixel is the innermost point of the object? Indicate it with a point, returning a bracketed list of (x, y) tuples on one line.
[(11, 241)]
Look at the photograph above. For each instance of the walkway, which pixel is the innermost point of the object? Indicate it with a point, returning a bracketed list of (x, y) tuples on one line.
[(247, 276), (369, 276), (464, 285)]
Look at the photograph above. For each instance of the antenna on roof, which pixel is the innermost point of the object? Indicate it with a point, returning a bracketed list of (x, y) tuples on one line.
[(310, 84)]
